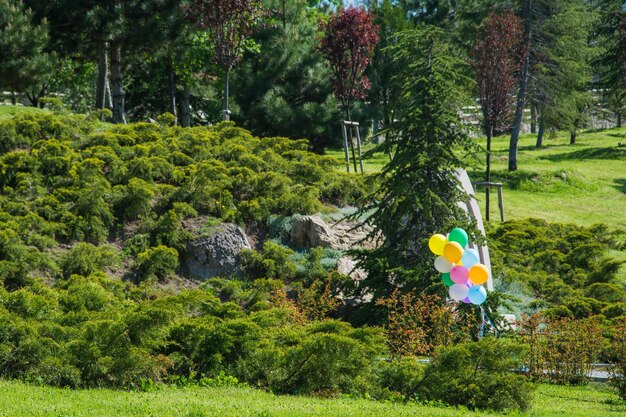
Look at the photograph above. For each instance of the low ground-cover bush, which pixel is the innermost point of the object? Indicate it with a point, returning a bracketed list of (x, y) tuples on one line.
[(67, 179), (563, 267), (477, 375)]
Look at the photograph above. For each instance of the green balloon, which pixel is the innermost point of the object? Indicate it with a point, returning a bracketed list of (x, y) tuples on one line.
[(460, 236), (447, 280)]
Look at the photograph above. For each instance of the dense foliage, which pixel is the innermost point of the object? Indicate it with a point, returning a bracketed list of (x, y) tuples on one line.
[(143, 58), (478, 375), (562, 267), (66, 179)]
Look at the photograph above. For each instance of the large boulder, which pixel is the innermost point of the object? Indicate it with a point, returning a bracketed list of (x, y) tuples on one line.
[(310, 232), (216, 254)]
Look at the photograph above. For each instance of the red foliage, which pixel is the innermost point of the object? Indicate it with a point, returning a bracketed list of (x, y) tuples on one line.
[(498, 58), (230, 22), (349, 40)]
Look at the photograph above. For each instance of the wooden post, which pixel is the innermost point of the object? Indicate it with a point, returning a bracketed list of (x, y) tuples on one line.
[(345, 145), (500, 203), (350, 130), (358, 142)]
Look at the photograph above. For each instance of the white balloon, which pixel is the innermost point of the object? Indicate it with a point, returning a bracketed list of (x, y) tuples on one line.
[(458, 292), (442, 264)]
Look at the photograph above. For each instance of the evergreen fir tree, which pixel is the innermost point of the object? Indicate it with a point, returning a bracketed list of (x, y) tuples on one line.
[(284, 91), (419, 191), (22, 44), (560, 68), (611, 63)]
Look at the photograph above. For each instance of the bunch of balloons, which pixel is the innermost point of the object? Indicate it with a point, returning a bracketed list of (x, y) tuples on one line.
[(462, 271)]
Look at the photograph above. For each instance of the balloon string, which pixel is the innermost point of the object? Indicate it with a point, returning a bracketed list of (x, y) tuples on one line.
[(485, 319)]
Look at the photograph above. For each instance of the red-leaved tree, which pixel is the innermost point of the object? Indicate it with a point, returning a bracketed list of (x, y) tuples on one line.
[(349, 39), (497, 60), (230, 23)]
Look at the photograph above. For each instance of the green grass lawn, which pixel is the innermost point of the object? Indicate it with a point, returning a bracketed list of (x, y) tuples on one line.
[(18, 399), (583, 183)]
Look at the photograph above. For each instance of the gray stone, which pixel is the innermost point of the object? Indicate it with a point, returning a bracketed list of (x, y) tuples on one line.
[(216, 254), (351, 235), (311, 232), (347, 266)]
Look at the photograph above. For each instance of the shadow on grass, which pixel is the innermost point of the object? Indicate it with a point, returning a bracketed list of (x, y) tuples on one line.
[(512, 180), (620, 184), (589, 153), (617, 135), (543, 148)]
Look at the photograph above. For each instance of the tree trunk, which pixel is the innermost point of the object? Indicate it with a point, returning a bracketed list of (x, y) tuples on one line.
[(533, 118), (171, 89), (488, 172), (116, 84), (521, 95), (539, 143), (572, 137), (33, 99), (619, 119), (103, 76), (226, 111), (185, 108)]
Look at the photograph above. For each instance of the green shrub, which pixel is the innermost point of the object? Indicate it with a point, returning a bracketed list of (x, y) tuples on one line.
[(567, 266), (395, 379), (478, 375), (156, 263), (617, 356), (273, 261), (326, 358), (85, 259)]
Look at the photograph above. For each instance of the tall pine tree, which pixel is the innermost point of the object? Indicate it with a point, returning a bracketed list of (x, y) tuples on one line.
[(611, 64), (560, 64), (22, 44)]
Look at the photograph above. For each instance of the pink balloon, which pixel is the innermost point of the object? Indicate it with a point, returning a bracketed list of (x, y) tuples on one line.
[(459, 274)]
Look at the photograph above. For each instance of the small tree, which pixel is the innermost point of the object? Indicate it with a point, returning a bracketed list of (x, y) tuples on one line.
[(348, 43), (230, 22), (497, 62)]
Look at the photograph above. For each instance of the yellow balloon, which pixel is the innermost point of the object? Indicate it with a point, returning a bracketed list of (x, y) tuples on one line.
[(436, 243), (479, 274), (453, 251)]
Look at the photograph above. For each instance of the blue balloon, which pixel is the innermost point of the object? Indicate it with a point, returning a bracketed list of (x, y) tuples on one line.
[(477, 294), (470, 258)]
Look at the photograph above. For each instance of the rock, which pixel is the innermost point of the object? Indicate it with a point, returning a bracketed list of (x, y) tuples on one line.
[(310, 232), (351, 235), (216, 254), (348, 266)]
